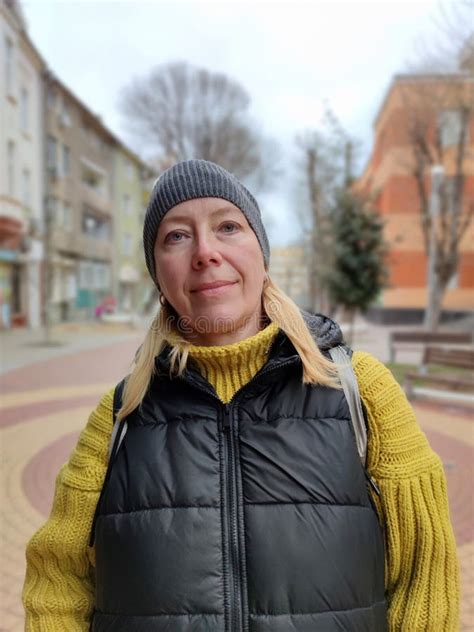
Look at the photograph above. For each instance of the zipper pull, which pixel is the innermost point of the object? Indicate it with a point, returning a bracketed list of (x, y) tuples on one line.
[(225, 420), (372, 483)]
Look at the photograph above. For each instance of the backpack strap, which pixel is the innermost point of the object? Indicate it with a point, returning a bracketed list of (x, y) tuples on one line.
[(350, 387), (118, 430)]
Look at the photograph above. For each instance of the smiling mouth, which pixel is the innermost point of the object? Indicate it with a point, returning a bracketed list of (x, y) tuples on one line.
[(214, 289)]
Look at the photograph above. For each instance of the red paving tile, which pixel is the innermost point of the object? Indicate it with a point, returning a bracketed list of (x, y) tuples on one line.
[(110, 362), (26, 412), (451, 408), (458, 460), (40, 474)]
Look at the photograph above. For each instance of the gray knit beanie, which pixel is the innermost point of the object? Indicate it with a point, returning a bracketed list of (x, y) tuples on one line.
[(193, 179)]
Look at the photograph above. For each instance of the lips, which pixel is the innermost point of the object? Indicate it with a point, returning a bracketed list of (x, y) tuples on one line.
[(212, 286)]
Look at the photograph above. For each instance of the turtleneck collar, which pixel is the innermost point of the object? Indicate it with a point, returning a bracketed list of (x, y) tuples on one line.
[(229, 367)]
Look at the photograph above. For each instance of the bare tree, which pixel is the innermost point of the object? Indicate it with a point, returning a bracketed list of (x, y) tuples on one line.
[(324, 168), (440, 107), (180, 112)]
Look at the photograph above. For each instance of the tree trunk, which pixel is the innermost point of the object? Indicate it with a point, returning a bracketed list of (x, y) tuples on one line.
[(433, 305)]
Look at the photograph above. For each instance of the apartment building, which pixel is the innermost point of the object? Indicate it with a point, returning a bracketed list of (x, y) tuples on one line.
[(434, 104), (130, 193), (21, 172), (80, 204)]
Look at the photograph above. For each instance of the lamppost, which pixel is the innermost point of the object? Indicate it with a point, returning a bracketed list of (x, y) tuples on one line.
[(437, 177)]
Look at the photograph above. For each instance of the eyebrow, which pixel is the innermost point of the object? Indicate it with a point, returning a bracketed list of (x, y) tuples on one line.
[(185, 219)]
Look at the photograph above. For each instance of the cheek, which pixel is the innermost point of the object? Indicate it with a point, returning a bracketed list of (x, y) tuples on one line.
[(251, 269), (168, 273)]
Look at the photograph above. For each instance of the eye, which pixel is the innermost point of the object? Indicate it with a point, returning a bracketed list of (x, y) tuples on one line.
[(229, 227), (174, 237)]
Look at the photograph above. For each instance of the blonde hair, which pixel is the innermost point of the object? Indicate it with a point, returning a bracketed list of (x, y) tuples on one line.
[(278, 307)]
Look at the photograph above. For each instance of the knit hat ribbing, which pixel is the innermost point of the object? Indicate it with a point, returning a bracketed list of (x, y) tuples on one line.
[(193, 179)]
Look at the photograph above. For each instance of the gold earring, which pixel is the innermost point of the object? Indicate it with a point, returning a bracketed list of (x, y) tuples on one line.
[(162, 299)]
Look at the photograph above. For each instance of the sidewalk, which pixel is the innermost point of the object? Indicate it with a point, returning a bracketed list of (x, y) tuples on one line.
[(44, 406), (21, 347)]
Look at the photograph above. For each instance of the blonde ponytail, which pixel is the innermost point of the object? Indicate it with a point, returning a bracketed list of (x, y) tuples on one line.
[(280, 309)]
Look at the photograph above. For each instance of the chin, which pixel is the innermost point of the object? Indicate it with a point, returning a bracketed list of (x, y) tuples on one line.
[(217, 319)]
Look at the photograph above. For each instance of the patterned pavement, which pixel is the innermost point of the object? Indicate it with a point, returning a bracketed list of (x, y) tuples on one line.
[(39, 425)]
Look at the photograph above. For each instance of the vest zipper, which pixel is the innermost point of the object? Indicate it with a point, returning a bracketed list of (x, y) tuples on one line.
[(226, 426), (236, 615)]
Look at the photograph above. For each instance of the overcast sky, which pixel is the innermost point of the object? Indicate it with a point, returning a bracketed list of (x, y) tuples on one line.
[(290, 57)]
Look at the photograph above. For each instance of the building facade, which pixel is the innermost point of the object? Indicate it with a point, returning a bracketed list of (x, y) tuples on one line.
[(289, 270), (80, 205), (21, 172), (128, 278), (434, 104)]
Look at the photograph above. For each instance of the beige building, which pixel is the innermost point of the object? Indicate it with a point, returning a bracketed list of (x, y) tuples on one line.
[(21, 171), (289, 270), (130, 279), (79, 236)]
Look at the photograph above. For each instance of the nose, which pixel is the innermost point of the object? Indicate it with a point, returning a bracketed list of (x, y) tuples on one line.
[(205, 253)]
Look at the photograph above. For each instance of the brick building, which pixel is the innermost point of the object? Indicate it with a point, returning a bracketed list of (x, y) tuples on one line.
[(435, 103)]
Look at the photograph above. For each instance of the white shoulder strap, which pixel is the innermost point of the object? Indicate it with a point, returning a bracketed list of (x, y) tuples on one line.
[(114, 442), (351, 391)]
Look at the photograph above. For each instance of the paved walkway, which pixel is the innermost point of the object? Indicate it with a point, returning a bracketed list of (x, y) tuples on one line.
[(22, 347), (44, 405)]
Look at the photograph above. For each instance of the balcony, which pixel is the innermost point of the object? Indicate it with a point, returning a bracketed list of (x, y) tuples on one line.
[(95, 198), (94, 248)]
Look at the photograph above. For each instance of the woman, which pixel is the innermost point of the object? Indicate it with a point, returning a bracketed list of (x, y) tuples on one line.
[(236, 499)]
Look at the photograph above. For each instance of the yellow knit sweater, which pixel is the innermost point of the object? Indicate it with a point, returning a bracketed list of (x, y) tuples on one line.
[(422, 576)]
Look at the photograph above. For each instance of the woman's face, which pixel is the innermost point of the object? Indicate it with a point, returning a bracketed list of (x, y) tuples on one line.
[(211, 270)]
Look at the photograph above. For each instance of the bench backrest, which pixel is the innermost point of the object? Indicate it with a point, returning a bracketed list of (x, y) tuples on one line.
[(455, 337), (461, 358)]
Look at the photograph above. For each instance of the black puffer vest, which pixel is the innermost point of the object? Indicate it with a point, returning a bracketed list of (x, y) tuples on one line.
[(248, 517)]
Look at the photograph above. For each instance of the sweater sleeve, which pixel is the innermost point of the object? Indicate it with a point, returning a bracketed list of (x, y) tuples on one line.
[(58, 592), (422, 573)]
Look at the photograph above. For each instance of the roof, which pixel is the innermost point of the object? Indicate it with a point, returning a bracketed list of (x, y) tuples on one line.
[(419, 78)]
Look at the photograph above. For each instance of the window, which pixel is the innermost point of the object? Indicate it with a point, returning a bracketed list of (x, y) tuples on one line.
[(11, 167), (67, 217), (86, 275), (450, 127), (26, 188), (94, 225), (71, 290), (126, 204), (24, 109), (101, 276), (52, 211), (64, 115), (52, 98), (9, 65), (52, 151), (127, 246), (94, 179), (129, 170), (66, 160)]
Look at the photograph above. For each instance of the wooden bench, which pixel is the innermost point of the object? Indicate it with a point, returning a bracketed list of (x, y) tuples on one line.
[(414, 339), (451, 357)]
